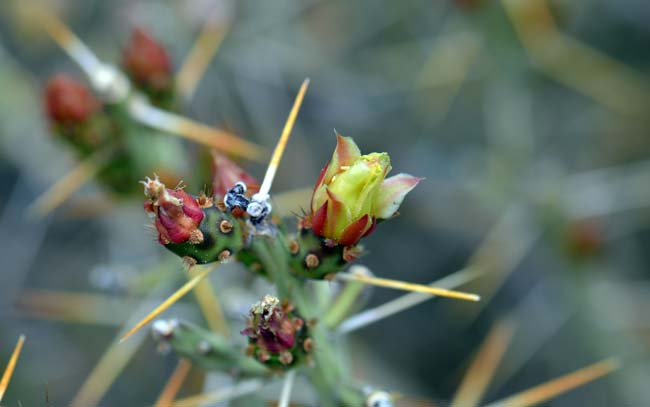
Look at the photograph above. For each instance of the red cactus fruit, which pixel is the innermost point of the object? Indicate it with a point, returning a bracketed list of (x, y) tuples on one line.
[(177, 215)]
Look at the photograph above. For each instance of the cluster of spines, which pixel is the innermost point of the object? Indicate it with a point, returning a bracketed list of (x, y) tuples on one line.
[(91, 126)]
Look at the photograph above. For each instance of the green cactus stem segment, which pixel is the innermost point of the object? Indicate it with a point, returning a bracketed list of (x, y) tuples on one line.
[(217, 240), (136, 149), (207, 349), (282, 258), (327, 373), (308, 255), (311, 257)]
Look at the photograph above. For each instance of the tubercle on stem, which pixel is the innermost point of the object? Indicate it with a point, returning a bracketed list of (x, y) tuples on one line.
[(312, 257)]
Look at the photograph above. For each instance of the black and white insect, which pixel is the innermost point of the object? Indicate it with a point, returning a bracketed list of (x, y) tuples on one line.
[(236, 198), (256, 209)]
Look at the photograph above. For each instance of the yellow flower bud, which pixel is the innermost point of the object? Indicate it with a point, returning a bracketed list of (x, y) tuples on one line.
[(352, 192)]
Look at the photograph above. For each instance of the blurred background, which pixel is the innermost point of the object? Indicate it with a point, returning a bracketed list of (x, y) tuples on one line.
[(530, 120)]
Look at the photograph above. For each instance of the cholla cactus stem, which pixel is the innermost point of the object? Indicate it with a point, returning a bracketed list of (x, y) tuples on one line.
[(207, 349), (115, 88), (327, 373)]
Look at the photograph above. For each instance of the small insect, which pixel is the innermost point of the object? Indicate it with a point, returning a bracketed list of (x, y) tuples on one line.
[(236, 199), (258, 211)]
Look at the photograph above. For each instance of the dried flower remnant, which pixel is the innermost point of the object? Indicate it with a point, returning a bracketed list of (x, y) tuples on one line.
[(177, 214), (352, 194), (276, 335)]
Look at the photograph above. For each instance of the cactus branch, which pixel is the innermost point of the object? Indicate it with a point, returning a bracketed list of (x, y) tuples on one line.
[(327, 374), (115, 87), (206, 349)]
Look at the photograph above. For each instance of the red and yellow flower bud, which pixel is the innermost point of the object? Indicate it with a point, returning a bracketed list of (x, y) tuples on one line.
[(68, 101), (177, 215), (276, 336), (226, 174), (146, 61), (352, 193)]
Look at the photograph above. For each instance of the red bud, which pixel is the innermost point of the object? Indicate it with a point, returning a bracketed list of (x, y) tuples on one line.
[(177, 214), (146, 61), (226, 174), (68, 101)]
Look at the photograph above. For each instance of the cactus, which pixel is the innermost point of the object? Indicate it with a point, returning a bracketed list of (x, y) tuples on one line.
[(124, 115), (89, 123), (289, 331)]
